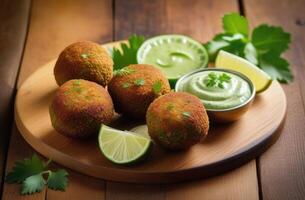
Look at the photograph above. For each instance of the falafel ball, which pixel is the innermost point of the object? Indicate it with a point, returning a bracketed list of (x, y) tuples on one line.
[(134, 87), (84, 60), (79, 107), (177, 120)]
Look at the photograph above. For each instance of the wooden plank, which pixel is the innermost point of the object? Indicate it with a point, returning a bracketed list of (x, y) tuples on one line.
[(18, 149), (201, 20), (54, 25), (282, 168), (14, 19), (120, 191), (80, 187), (238, 184)]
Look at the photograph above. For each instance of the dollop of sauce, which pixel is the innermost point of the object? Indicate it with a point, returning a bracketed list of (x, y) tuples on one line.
[(232, 93), (174, 55)]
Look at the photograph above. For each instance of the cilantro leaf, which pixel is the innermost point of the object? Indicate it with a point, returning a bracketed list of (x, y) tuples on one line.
[(251, 53), (157, 86), (263, 49), (126, 85), (139, 82), (30, 173), (128, 53), (224, 78), (233, 43), (24, 169), (235, 23), (277, 67), (270, 38), (216, 80), (123, 71), (58, 180), (33, 184), (186, 114)]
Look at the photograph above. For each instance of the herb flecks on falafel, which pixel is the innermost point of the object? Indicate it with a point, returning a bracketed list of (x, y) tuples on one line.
[(132, 92), (157, 87), (123, 71), (177, 120), (79, 107), (84, 60)]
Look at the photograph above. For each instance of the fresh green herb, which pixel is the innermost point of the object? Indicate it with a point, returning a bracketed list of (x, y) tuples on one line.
[(217, 80), (76, 83), (139, 82), (58, 180), (128, 53), (123, 71), (126, 85), (33, 184), (29, 172), (170, 106), (263, 49), (234, 23), (24, 169), (163, 136), (186, 114), (84, 55), (157, 86)]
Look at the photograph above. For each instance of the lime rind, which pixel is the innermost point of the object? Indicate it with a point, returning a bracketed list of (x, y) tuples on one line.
[(122, 147), (158, 40)]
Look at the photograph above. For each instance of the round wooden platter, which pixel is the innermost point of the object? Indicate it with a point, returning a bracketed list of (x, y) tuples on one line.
[(226, 146)]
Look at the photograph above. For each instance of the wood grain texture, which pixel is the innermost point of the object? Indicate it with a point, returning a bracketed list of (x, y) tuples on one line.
[(53, 26), (14, 19), (225, 146), (18, 149), (56, 24), (200, 19), (282, 168), (238, 184), (120, 191)]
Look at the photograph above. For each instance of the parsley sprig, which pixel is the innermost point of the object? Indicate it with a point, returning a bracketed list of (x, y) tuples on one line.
[(127, 54), (31, 173), (263, 47), (217, 80)]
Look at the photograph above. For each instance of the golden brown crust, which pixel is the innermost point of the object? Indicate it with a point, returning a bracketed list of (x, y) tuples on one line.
[(132, 99), (177, 120), (79, 107), (84, 60)]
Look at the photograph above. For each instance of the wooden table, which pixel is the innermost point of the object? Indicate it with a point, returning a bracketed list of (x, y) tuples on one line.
[(34, 32)]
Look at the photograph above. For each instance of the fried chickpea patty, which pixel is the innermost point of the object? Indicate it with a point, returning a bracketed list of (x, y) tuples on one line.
[(79, 107), (177, 120), (134, 87), (84, 60)]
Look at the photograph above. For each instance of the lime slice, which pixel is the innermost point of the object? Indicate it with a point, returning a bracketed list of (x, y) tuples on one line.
[(122, 147), (141, 130), (174, 55), (260, 79)]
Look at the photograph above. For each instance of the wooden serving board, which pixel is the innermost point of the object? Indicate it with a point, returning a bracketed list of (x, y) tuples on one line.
[(226, 146)]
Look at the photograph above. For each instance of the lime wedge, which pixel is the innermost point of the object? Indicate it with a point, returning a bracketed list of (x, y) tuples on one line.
[(122, 147), (260, 79), (174, 55), (141, 130)]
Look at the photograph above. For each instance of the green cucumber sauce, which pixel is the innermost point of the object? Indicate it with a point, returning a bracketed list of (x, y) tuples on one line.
[(174, 55), (234, 92)]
